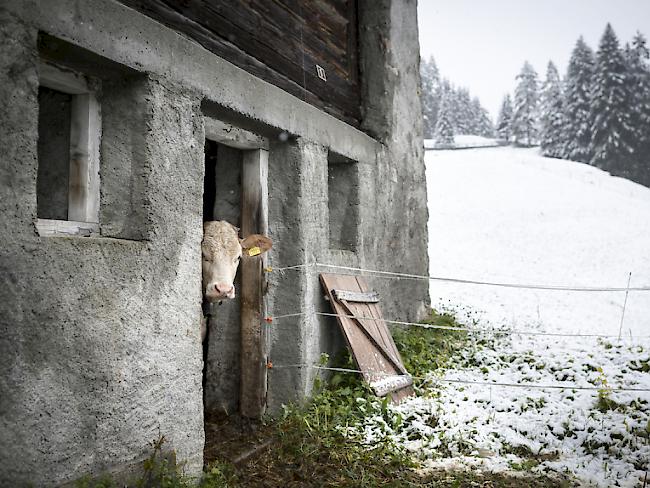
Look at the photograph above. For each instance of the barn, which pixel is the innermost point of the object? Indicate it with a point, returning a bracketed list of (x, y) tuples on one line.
[(125, 125)]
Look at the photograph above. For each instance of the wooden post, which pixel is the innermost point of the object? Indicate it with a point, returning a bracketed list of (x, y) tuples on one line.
[(85, 134), (254, 214)]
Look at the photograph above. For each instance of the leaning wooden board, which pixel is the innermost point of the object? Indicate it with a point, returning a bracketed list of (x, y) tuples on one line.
[(367, 335)]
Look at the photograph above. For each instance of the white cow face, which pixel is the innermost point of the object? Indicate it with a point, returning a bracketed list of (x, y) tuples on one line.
[(222, 250)]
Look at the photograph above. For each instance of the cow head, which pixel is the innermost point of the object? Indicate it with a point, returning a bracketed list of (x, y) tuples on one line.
[(222, 249)]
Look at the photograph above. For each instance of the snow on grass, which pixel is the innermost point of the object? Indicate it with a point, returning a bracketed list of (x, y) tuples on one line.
[(510, 215), (599, 437)]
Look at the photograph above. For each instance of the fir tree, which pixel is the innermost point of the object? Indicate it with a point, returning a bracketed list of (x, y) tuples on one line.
[(612, 134), (524, 119), (485, 125), (430, 95), (505, 119), (551, 115), (577, 95), (638, 59), (444, 133), (463, 115)]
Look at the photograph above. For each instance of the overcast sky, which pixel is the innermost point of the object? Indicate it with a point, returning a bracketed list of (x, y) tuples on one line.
[(482, 44)]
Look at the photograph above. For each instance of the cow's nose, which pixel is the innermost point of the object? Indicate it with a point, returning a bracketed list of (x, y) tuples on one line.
[(223, 288)]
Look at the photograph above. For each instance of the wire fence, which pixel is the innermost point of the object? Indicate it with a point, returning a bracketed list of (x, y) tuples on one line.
[(434, 379), (471, 330), (313, 266), (529, 286)]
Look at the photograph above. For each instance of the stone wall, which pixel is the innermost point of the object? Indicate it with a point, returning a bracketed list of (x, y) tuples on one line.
[(99, 336)]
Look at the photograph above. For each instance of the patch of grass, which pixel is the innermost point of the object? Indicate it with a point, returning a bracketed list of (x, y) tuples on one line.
[(524, 465), (426, 349), (310, 445), (641, 365)]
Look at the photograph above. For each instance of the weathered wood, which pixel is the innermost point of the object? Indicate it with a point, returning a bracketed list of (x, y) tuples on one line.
[(389, 384), (355, 296), (49, 228), (254, 214), (366, 326), (65, 81), (85, 137), (280, 41), (369, 340)]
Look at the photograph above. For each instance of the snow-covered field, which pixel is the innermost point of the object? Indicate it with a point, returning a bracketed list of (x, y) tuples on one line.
[(509, 215), (465, 141)]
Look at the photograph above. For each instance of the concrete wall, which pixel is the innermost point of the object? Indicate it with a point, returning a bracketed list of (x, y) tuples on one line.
[(99, 343)]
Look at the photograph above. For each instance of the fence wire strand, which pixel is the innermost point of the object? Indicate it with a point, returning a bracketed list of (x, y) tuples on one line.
[(529, 286), (395, 275), (453, 328), (433, 379)]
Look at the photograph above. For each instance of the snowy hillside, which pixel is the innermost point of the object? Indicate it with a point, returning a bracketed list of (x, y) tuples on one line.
[(510, 215), (567, 406)]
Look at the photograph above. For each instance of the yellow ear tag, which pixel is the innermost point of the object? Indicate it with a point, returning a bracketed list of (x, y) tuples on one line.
[(254, 251)]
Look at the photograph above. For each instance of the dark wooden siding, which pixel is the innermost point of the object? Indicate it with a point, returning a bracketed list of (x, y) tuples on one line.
[(279, 41)]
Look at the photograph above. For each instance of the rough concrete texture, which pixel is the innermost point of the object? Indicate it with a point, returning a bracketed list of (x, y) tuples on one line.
[(99, 340), (394, 210), (392, 232), (99, 346)]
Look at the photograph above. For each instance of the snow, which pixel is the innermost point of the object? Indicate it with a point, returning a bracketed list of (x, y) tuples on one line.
[(465, 141), (510, 215)]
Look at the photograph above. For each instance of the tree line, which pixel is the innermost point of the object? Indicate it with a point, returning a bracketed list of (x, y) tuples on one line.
[(449, 110), (598, 114)]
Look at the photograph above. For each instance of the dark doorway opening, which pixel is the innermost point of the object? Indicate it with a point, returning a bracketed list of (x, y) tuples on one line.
[(221, 348)]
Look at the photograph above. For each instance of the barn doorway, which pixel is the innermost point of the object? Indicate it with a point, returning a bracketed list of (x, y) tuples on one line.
[(221, 367), (235, 190)]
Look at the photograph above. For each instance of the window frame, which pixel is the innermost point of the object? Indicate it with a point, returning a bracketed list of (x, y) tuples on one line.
[(85, 139)]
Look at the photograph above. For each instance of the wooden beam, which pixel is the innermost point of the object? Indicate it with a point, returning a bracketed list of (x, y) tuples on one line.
[(356, 296), (85, 137), (62, 80), (254, 220), (53, 228)]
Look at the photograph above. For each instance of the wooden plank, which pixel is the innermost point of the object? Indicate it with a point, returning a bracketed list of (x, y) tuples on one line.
[(85, 136), (369, 340), (52, 228), (280, 41), (62, 80), (373, 336), (355, 296), (254, 219), (389, 384)]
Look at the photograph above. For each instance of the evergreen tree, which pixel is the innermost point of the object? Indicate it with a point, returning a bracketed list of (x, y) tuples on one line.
[(577, 94), (430, 95), (552, 114), (485, 125), (463, 116), (524, 119), (505, 119), (444, 133), (612, 134), (638, 59)]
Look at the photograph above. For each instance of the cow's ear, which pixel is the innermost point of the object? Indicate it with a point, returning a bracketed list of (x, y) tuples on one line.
[(256, 244)]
